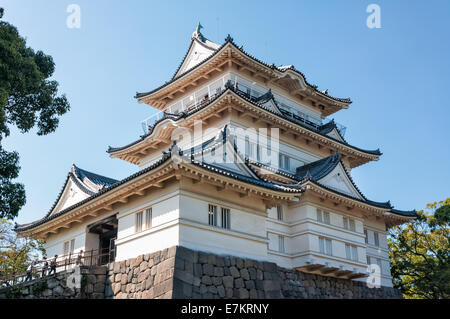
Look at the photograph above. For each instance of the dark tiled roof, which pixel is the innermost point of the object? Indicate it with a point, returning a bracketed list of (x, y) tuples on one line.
[(86, 179), (406, 213), (318, 169), (328, 127)]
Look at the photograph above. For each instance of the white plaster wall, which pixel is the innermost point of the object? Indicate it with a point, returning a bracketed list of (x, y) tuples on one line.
[(246, 236), (162, 234)]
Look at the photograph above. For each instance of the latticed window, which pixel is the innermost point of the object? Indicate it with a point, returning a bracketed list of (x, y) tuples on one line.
[(138, 222), (212, 215), (148, 218), (376, 239), (326, 217), (279, 212), (352, 225), (225, 218), (66, 248), (319, 215), (281, 244), (325, 246), (283, 161)]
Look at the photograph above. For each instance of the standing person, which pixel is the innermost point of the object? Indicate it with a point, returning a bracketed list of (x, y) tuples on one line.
[(30, 271), (53, 265), (80, 257), (44, 266)]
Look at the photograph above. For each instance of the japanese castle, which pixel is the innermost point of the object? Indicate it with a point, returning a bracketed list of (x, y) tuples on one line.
[(239, 159)]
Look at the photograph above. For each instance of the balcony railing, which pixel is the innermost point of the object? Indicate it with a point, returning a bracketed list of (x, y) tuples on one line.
[(89, 258), (211, 91)]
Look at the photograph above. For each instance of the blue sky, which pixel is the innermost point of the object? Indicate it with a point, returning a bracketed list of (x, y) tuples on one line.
[(398, 77)]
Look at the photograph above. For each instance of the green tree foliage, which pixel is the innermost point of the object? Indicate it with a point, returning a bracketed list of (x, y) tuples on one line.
[(419, 253), (28, 99), (16, 254)]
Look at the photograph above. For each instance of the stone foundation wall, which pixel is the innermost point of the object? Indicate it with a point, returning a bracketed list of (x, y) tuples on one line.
[(77, 283), (178, 272), (148, 276)]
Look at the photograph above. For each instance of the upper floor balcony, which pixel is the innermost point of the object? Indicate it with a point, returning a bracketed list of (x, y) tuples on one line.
[(209, 92)]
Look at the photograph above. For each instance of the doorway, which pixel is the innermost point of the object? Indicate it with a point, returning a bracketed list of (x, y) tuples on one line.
[(106, 230)]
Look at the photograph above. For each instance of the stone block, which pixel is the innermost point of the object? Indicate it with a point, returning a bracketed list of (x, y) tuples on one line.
[(218, 271), (184, 276), (238, 283), (208, 269), (221, 291), (234, 272), (228, 281), (206, 280), (245, 274)]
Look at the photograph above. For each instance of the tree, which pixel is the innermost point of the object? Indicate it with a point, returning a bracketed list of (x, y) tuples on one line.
[(419, 252), (28, 99), (16, 253)]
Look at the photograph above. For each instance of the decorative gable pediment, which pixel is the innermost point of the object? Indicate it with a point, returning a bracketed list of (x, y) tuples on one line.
[(338, 180), (232, 160), (71, 194), (335, 134), (198, 52)]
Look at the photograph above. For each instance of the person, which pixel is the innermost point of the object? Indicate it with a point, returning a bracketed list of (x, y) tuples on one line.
[(30, 271), (44, 266), (53, 265), (80, 258)]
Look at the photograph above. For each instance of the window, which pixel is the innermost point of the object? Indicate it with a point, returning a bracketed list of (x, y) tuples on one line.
[(349, 224), (281, 243), (148, 218), (280, 212), (326, 217), (323, 217), (319, 215), (212, 215), (367, 236), (258, 153), (325, 246), (354, 253), (225, 218), (352, 224), (348, 253), (68, 247), (376, 239), (379, 265), (138, 222), (283, 161), (368, 260), (249, 148), (351, 252)]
